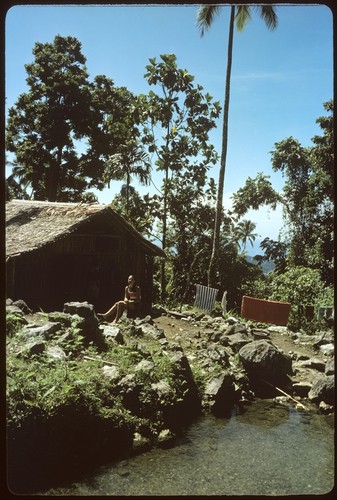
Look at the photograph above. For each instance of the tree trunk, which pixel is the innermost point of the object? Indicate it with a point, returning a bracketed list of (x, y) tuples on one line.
[(218, 214), (163, 275), (54, 183)]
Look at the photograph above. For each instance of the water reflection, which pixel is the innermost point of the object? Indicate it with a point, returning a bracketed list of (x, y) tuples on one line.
[(267, 450)]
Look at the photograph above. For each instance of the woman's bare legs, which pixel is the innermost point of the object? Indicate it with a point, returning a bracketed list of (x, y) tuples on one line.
[(117, 309), (111, 311), (121, 305)]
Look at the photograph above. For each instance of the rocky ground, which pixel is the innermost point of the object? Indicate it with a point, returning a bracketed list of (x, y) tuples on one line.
[(312, 355)]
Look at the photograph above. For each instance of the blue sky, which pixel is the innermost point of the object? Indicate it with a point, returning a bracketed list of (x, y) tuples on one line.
[(280, 79)]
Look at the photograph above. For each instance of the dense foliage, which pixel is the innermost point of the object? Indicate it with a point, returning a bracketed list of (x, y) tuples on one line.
[(65, 128)]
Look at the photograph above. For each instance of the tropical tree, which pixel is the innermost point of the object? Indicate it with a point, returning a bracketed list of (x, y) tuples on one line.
[(307, 201), (63, 129), (239, 15), (308, 197), (131, 160), (177, 121), (243, 232), (141, 211)]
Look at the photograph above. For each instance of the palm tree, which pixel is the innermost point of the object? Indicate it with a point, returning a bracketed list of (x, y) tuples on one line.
[(239, 14), (132, 160), (244, 231)]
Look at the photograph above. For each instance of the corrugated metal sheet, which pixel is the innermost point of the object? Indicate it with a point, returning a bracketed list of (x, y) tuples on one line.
[(205, 297)]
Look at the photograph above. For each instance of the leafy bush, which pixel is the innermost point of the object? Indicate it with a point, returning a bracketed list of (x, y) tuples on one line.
[(298, 285)]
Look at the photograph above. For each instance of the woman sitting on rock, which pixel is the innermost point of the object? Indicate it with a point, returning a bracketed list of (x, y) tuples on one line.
[(132, 296)]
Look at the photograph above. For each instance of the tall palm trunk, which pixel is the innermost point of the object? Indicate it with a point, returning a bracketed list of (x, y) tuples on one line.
[(218, 214)]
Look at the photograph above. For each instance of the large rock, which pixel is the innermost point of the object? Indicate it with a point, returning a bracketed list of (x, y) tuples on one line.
[(23, 306), (262, 360), (112, 332), (323, 389), (45, 331), (150, 330), (83, 309), (85, 319), (220, 393)]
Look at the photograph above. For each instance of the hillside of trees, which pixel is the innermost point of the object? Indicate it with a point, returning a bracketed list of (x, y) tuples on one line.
[(123, 136)]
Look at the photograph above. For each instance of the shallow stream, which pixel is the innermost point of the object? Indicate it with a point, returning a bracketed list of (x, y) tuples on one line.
[(267, 450)]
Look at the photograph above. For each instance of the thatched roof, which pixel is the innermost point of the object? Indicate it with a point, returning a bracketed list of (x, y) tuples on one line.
[(31, 225)]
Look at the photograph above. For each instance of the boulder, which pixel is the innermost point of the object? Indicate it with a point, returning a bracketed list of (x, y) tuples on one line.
[(327, 349), (323, 389), (145, 365), (110, 371), (60, 317), (312, 363), (150, 330), (45, 331), (302, 389), (330, 367), (83, 309), (262, 360), (85, 319), (220, 393), (113, 333), (162, 389), (21, 304), (33, 348), (12, 309), (56, 352)]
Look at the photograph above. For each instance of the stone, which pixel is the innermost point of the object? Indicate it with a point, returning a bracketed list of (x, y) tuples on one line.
[(220, 392), (83, 309), (330, 367), (45, 331), (56, 352), (21, 304), (278, 329), (302, 388), (37, 347), (238, 340), (60, 317), (262, 360), (259, 334), (150, 330), (12, 309), (323, 389), (144, 365), (312, 363), (327, 349), (113, 333), (325, 408), (110, 372), (162, 388), (142, 321)]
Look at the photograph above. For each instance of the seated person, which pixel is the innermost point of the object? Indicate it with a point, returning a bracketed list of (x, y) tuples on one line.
[(132, 296)]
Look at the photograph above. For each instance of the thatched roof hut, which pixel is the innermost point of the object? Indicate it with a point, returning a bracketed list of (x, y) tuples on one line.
[(56, 252)]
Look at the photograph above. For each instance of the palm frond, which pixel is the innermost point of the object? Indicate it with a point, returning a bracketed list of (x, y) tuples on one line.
[(269, 16), (205, 17), (242, 16)]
